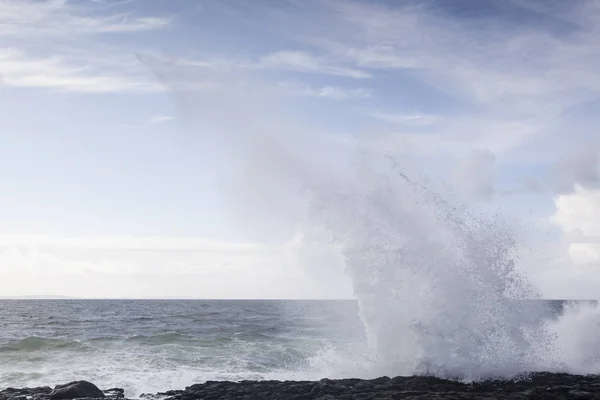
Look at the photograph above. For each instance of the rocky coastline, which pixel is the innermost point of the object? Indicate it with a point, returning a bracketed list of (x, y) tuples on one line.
[(534, 386)]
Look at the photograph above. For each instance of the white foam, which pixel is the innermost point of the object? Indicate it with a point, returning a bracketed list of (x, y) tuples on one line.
[(577, 333)]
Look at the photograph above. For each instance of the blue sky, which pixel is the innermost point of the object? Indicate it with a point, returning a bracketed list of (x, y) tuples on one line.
[(131, 121)]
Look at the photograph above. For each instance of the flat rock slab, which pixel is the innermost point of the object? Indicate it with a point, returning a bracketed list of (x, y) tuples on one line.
[(536, 386)]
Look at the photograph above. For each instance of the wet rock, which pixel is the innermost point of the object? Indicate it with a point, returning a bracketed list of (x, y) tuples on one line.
[(535, 386), (33, 393), (77, 390)]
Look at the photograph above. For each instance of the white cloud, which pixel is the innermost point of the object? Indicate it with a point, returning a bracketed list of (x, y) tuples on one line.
[(171, 267), (578, 217), (567, 265), (578, 214)]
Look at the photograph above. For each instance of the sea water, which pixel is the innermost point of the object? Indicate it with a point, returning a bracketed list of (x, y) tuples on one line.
[(152, 345)]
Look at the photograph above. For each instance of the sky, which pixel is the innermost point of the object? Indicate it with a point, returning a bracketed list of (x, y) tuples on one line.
[(159, 148)]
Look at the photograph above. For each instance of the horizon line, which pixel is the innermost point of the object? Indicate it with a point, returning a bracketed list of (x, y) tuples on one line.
[(58, 297)]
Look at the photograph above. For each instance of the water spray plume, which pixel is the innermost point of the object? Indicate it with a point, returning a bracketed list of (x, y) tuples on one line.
[(438, 283)]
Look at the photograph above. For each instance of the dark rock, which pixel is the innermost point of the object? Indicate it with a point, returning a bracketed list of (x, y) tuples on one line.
[(77, 390), (33, 393), (536, 386)]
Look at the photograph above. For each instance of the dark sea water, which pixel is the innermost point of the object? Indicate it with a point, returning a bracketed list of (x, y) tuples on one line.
[(150, 346)]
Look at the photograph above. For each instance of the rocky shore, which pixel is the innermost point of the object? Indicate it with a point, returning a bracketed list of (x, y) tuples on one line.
[(536, 386)]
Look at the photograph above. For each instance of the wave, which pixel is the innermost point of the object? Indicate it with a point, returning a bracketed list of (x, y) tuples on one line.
[(438, 284), (160, 339), (36, 343)]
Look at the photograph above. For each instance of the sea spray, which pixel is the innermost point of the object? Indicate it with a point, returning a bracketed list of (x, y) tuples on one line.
[(437, 283), (577, 332)]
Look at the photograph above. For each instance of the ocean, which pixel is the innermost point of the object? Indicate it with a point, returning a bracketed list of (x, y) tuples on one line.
[(147, 346)]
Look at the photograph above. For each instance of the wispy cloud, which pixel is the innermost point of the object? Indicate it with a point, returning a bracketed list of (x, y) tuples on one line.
[(20, 70), (45, 47), (488, 72), (160, 118), (26, 19), (406, 119), (484, 64), (220, 74), (156, 119), (331, 92), (491, 70), (306, 62)]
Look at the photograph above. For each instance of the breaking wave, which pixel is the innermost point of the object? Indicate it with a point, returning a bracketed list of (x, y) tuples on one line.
[(439, 288)]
